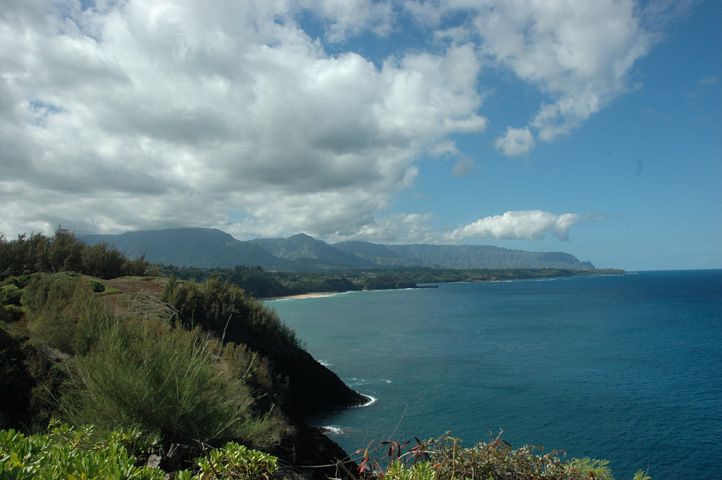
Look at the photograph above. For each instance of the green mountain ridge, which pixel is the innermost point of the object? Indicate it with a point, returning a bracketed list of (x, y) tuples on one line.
[(204, 247)]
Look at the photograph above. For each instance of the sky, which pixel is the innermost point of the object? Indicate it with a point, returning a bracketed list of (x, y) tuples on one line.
[(588, 127)]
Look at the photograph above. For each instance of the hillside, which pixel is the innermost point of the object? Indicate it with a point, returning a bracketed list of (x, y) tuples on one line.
[(160, 378), (202, 247), (86, 337)]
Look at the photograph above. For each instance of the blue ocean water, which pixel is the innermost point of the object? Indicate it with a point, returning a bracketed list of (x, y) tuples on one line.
[(627, 368)]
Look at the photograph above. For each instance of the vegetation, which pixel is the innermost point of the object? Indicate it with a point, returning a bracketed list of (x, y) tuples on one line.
[(259, 283), (225, 309), (445, 459), (67, 452), (64, 253), (165, 381), (206, 371), (233, 461), (69, 353)]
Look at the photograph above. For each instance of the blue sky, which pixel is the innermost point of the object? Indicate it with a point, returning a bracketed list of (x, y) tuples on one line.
[(586, 127)]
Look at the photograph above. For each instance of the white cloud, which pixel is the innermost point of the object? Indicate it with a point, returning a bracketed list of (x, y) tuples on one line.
[(150, 114), (526, 224), (579, 54), (516, 141), (158, 113), (350, 17)]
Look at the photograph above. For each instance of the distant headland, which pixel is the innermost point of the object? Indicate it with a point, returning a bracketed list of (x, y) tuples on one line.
[(203, 247)]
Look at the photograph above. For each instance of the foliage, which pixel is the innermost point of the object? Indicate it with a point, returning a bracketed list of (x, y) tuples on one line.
[(62, 311), (224, 308), (418, 471), (15, 380), (29, 382), (168, 381), (259, 283), (233, 461), (444, 458), (254, 281), (83, 453), (68, 453), (256, 372), (10, 306), (96, 286), (64, 253)]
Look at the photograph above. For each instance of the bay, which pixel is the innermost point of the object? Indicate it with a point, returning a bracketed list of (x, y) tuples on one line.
[(627, 368)]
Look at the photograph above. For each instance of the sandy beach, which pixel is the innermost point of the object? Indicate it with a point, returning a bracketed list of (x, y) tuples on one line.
[(303, 295)]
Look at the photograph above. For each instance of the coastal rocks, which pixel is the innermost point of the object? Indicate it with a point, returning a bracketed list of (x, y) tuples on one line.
[(313, 387), (315, 456)]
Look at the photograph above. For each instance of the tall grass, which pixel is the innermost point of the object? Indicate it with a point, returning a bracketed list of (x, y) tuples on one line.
[(148, 375)]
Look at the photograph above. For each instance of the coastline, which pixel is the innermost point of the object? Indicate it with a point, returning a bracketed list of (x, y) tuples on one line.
[(302, 295)]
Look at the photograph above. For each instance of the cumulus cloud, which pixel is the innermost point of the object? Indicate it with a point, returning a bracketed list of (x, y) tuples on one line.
[(579, 54), (346, 18), (525, 224), (149, 114), (516, 141)]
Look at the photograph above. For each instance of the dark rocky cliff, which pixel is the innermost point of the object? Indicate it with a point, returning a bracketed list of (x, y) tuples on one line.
[(313, 386)]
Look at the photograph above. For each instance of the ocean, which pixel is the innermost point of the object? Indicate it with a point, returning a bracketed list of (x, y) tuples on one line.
[(626, 368)]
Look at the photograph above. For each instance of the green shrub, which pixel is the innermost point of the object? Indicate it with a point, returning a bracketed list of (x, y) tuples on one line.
[(233, 461), (96, 286), (445, 459), (225, 309), (48, 305), (11, 313), (255, 371), (10, 300), (10, 294), (71, 454), (67, 452), (62, 312), (168, 381)]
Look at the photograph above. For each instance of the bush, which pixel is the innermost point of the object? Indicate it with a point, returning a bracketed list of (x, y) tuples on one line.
[(444, 458), (62, 312), (11, 313), (69, 453), (96, 286), (233, 461), (10, 297), (10, 294), (255, 371), (224, 308), (167, 381)]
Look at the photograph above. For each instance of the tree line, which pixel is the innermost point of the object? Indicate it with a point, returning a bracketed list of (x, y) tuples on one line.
[(64, 252)]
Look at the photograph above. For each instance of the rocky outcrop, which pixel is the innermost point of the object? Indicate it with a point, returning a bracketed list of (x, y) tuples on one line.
[(312, 387), (313, 455)]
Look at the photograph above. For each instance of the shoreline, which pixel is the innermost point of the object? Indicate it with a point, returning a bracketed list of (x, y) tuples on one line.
[(330, 294), (301, 295)]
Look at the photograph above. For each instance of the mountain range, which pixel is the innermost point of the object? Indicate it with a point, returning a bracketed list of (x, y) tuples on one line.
[(204, 247)]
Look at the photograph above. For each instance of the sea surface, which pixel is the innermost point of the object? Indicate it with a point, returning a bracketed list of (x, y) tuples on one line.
[(627, 368)]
